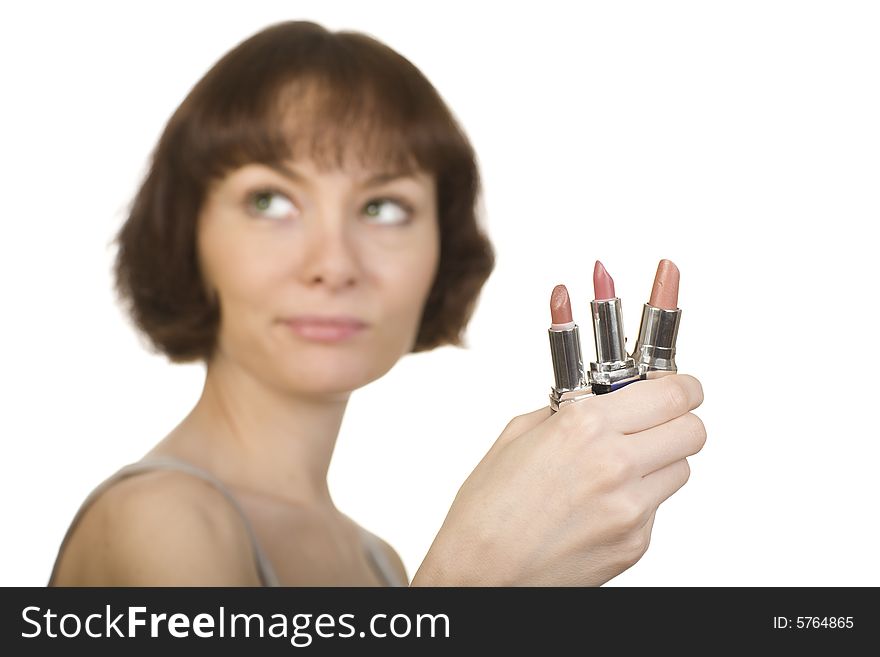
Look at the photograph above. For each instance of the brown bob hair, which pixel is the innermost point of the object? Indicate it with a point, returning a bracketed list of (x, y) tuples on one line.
[(296, 90)]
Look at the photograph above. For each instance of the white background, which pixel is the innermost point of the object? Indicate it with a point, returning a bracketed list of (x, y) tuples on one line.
[(739, 139)]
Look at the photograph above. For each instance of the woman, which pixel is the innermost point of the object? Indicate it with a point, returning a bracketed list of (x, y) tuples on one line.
[(308, 219)]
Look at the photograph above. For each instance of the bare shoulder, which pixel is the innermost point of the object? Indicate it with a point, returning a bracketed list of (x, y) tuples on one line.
[(162, 528)]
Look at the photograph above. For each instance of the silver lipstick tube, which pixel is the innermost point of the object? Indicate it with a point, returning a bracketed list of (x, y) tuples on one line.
[(568, 368), (654, 352), (612, 368)]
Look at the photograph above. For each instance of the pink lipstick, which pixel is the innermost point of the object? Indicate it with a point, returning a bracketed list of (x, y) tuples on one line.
[(654, 352), (325, 329), (565, 349), (603, 284), (612, 368)]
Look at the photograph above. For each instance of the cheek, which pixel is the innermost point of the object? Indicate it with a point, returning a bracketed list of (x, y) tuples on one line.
[(408, 282), (244, 276)]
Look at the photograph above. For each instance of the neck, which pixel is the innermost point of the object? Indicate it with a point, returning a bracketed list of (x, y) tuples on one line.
[(260, 438)]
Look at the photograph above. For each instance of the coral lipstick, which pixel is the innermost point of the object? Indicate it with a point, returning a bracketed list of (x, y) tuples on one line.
[(664, 294), (654, 352), (565, 349), (612, 368)]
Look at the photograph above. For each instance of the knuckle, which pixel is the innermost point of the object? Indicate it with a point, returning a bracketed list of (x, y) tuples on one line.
[(684, 471), (633, 547), (614, 469), (592, 425), (629, 514), (676, 396), (697, 431), (587, 421), (699, 391), (514, 425), (565, 415), (693, 386)]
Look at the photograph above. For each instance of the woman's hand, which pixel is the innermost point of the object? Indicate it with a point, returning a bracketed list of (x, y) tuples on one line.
[(569, 499)]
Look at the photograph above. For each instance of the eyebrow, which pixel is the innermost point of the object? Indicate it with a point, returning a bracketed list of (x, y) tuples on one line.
[(378, 179)]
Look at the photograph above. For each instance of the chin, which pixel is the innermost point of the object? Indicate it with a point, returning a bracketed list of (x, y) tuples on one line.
[(333, 376)]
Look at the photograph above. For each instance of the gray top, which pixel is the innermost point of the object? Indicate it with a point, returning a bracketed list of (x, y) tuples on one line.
[(377, 556)]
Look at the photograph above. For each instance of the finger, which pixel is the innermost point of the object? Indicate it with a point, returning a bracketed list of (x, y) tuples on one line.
[(645, 404), (659, 446), (661, 484)]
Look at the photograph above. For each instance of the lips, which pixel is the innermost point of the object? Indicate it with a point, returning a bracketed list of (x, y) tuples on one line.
[(325, 329)]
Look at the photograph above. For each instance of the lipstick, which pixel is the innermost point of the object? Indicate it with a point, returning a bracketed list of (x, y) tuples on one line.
[(565, 349), (654, 352), (612, 368)]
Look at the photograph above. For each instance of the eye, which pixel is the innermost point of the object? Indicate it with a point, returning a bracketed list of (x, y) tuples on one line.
[(270, 203), (387, 211)]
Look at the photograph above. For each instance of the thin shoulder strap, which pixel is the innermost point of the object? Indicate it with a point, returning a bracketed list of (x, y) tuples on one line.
[(264, 567), (380, 561)]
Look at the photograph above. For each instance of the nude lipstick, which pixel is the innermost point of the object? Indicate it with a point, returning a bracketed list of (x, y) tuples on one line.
[(612, 368), (654, 352), (565, 349)]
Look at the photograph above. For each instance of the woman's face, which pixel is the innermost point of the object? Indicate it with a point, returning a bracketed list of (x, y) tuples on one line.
[(321, 275)]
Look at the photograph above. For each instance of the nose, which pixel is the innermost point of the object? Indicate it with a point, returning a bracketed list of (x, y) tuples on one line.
[(331, 260)]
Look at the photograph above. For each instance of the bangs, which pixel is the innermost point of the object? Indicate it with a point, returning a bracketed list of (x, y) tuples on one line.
[(354, 105), (348, 126)]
